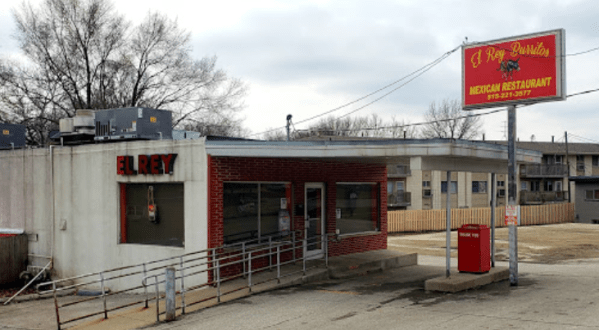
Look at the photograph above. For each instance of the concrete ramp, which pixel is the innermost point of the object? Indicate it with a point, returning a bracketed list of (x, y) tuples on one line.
[(339, 267)]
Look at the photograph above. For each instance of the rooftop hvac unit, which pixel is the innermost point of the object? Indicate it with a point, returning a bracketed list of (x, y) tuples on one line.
[(12, 136), (78, 129), (133, 124), (186, 135)]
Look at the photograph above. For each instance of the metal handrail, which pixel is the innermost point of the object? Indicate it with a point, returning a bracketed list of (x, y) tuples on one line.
[(209, 261)]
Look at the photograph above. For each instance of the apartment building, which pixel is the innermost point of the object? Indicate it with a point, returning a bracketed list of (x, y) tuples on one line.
[(410, 189), (538, 183), (427, 190), (548, 182)]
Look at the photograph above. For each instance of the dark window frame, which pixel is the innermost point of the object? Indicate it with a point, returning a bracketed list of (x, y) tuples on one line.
[(476, 187), (374, 186), (453, 184), (135, 224), (258, 205), (594, 195)]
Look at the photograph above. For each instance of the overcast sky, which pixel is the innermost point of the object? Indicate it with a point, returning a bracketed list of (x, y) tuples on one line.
[(307, 57)]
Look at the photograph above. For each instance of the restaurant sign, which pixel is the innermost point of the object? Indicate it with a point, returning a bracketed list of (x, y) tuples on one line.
[(146, 164), (523, 69)]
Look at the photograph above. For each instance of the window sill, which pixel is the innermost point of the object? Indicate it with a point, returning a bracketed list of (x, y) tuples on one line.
[(364, 233)]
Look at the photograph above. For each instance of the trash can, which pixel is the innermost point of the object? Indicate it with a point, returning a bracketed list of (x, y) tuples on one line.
[(474, 254)]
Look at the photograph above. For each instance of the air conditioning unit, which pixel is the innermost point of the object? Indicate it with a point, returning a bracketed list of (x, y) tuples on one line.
[(12, 136), (133, 124), (76, 130), (186, 135)]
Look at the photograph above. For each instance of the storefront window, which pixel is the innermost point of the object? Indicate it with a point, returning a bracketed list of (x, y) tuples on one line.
[(240, 211), (251, 210), (152, 214), (357, 207)]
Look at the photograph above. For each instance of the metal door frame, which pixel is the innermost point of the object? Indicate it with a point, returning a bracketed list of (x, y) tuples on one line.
[(314, 254)]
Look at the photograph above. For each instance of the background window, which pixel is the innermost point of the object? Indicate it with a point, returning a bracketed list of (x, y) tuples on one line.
[(426, 189), (479, 187), (592, 194), (359, 205), (523, 185), (167, 228), (558, 186), (400, 186), (454, 187)]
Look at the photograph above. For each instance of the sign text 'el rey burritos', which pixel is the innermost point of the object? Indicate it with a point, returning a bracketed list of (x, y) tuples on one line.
[(515, 70), (146, 164)]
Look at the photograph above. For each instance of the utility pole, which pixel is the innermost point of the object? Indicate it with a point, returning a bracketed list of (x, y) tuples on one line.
[(512, 193), (448, 226), (568, 165), (288, 127)]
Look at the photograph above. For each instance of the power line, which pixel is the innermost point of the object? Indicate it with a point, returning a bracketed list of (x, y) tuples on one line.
[(393, 90), (582, 138), (441, 120), (479, 44), (410, 125), (418, 73), (585, 92)]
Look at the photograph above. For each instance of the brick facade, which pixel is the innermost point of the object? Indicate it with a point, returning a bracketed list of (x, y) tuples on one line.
[(298, 172)]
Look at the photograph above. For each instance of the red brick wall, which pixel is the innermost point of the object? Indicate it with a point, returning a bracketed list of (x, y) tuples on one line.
[(298, 172)]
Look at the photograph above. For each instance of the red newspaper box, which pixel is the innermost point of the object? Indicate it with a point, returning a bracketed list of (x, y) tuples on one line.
[(474, 254)]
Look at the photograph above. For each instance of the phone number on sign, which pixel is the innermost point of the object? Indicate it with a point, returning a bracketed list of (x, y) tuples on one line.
[(506, 95)]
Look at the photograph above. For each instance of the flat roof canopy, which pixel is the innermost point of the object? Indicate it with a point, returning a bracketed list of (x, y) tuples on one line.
[(429, 154)]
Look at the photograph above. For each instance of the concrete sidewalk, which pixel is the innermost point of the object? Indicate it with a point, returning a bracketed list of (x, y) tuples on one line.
[(138, 316)]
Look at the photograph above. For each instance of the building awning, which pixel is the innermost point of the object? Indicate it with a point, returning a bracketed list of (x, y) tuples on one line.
[(585, 179), (421, 154)]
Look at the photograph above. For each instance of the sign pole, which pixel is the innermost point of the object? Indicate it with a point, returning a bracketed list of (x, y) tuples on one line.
[(493, 204), (512, 191)]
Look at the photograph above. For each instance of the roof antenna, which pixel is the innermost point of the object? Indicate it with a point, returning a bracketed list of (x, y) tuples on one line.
[(288, 126)]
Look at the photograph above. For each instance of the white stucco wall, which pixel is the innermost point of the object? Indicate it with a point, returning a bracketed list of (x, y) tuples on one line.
[(87, 215)]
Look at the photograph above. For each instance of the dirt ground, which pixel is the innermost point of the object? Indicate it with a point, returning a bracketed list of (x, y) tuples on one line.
[(536, 244)]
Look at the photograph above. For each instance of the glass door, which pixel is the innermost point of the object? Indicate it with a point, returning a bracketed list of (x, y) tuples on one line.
[(314, 215)]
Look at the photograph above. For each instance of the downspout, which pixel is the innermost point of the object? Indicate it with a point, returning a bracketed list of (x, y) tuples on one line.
[(53, 207)]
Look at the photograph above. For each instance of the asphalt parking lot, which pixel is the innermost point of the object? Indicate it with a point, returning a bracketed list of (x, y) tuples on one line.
[(563, 296), (552, 294)]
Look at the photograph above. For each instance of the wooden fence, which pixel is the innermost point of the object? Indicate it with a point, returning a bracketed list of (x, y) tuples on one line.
[(434, 220)]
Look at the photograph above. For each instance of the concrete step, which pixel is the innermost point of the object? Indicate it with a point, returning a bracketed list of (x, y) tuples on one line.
[(465, 281), (373, 261)]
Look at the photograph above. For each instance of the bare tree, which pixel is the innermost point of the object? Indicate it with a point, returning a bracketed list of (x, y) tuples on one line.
[(447, 120), (82, 54), (367, 126), (275, 135)]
